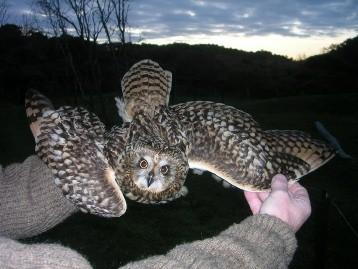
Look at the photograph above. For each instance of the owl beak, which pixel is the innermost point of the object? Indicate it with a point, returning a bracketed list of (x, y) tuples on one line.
[(150, 178)]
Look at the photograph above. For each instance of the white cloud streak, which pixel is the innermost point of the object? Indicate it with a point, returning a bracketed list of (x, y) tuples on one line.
[(272, 25)]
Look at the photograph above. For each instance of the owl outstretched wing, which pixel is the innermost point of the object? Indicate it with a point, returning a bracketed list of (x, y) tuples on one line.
[(144, 87), (230, 143), (71, 142)]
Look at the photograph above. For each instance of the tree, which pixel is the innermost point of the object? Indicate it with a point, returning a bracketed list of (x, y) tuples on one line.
[(121, 8), (105, 11), (87, 18), (4, 15), (80, 16), (113, 15)]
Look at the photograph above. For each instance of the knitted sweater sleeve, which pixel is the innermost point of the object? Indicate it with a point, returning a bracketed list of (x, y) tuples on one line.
[(260, 241), (30, 203)]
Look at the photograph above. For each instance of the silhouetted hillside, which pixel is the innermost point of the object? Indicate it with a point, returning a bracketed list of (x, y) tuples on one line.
[(332, 72), (71, 66)]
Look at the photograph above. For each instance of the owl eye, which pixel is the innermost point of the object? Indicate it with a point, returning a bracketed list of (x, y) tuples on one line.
[(164, 169), (143, 164)]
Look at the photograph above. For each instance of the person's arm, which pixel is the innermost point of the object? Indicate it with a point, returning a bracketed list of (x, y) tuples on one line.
[(260, 241), (265, 240), (17, 255), (30, 202)]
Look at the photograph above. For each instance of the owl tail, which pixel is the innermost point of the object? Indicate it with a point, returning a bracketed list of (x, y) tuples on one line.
[(297, 153), (145, 86), (36, 104)]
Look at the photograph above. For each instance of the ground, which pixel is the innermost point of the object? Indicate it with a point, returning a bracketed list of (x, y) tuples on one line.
[(325, 241)]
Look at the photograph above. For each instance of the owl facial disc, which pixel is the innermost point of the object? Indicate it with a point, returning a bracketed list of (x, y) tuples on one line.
[(154, 172)]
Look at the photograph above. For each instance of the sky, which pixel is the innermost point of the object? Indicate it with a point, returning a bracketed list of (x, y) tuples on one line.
[(295, 29)]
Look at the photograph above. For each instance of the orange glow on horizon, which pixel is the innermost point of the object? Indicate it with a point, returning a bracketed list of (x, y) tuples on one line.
[(291, 46)]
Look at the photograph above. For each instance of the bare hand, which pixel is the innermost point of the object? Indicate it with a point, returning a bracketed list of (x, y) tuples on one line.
[(290, 203)]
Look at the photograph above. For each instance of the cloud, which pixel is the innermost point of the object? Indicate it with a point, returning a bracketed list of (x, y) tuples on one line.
[(301, 18), (287, 27)]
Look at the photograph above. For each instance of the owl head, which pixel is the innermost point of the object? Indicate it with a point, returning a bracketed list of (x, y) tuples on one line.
[(154, 172)]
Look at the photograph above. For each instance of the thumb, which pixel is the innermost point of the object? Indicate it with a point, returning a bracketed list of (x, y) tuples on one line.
[(279, 183)]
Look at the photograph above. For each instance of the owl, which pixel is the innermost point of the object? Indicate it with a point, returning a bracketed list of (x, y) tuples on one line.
[(147, 158)]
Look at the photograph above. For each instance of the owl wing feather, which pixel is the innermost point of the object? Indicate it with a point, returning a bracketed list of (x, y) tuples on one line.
[(145, 86), (293, 147), (71, 142), (230, 143)]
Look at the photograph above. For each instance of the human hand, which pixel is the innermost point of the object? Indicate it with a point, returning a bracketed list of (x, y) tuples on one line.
[(290, 203)]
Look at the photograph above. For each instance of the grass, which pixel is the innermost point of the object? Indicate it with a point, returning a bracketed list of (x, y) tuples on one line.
[(325, 241)]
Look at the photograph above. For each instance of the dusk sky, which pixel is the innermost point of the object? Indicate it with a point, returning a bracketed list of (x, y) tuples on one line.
[(286, 27)]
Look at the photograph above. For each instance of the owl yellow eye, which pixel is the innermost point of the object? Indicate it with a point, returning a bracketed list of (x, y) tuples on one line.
[(164, 169), (143, 164)]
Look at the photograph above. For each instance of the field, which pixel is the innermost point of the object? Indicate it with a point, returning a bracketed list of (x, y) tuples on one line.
[(325, 241)]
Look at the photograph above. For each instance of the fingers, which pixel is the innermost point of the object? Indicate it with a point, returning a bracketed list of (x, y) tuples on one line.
[(300, 195), (297, 191), (279, 183), (254, 201), (263, 195), (288, 202)]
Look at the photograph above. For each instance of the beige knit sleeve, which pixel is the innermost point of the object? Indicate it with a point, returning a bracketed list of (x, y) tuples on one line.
[(260, 241), (30, 202), (15, 255)]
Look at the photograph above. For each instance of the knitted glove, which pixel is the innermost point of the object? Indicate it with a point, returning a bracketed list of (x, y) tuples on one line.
[(30, 202)]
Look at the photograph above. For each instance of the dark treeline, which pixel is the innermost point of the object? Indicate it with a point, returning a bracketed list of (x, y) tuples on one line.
[(69, 66)]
